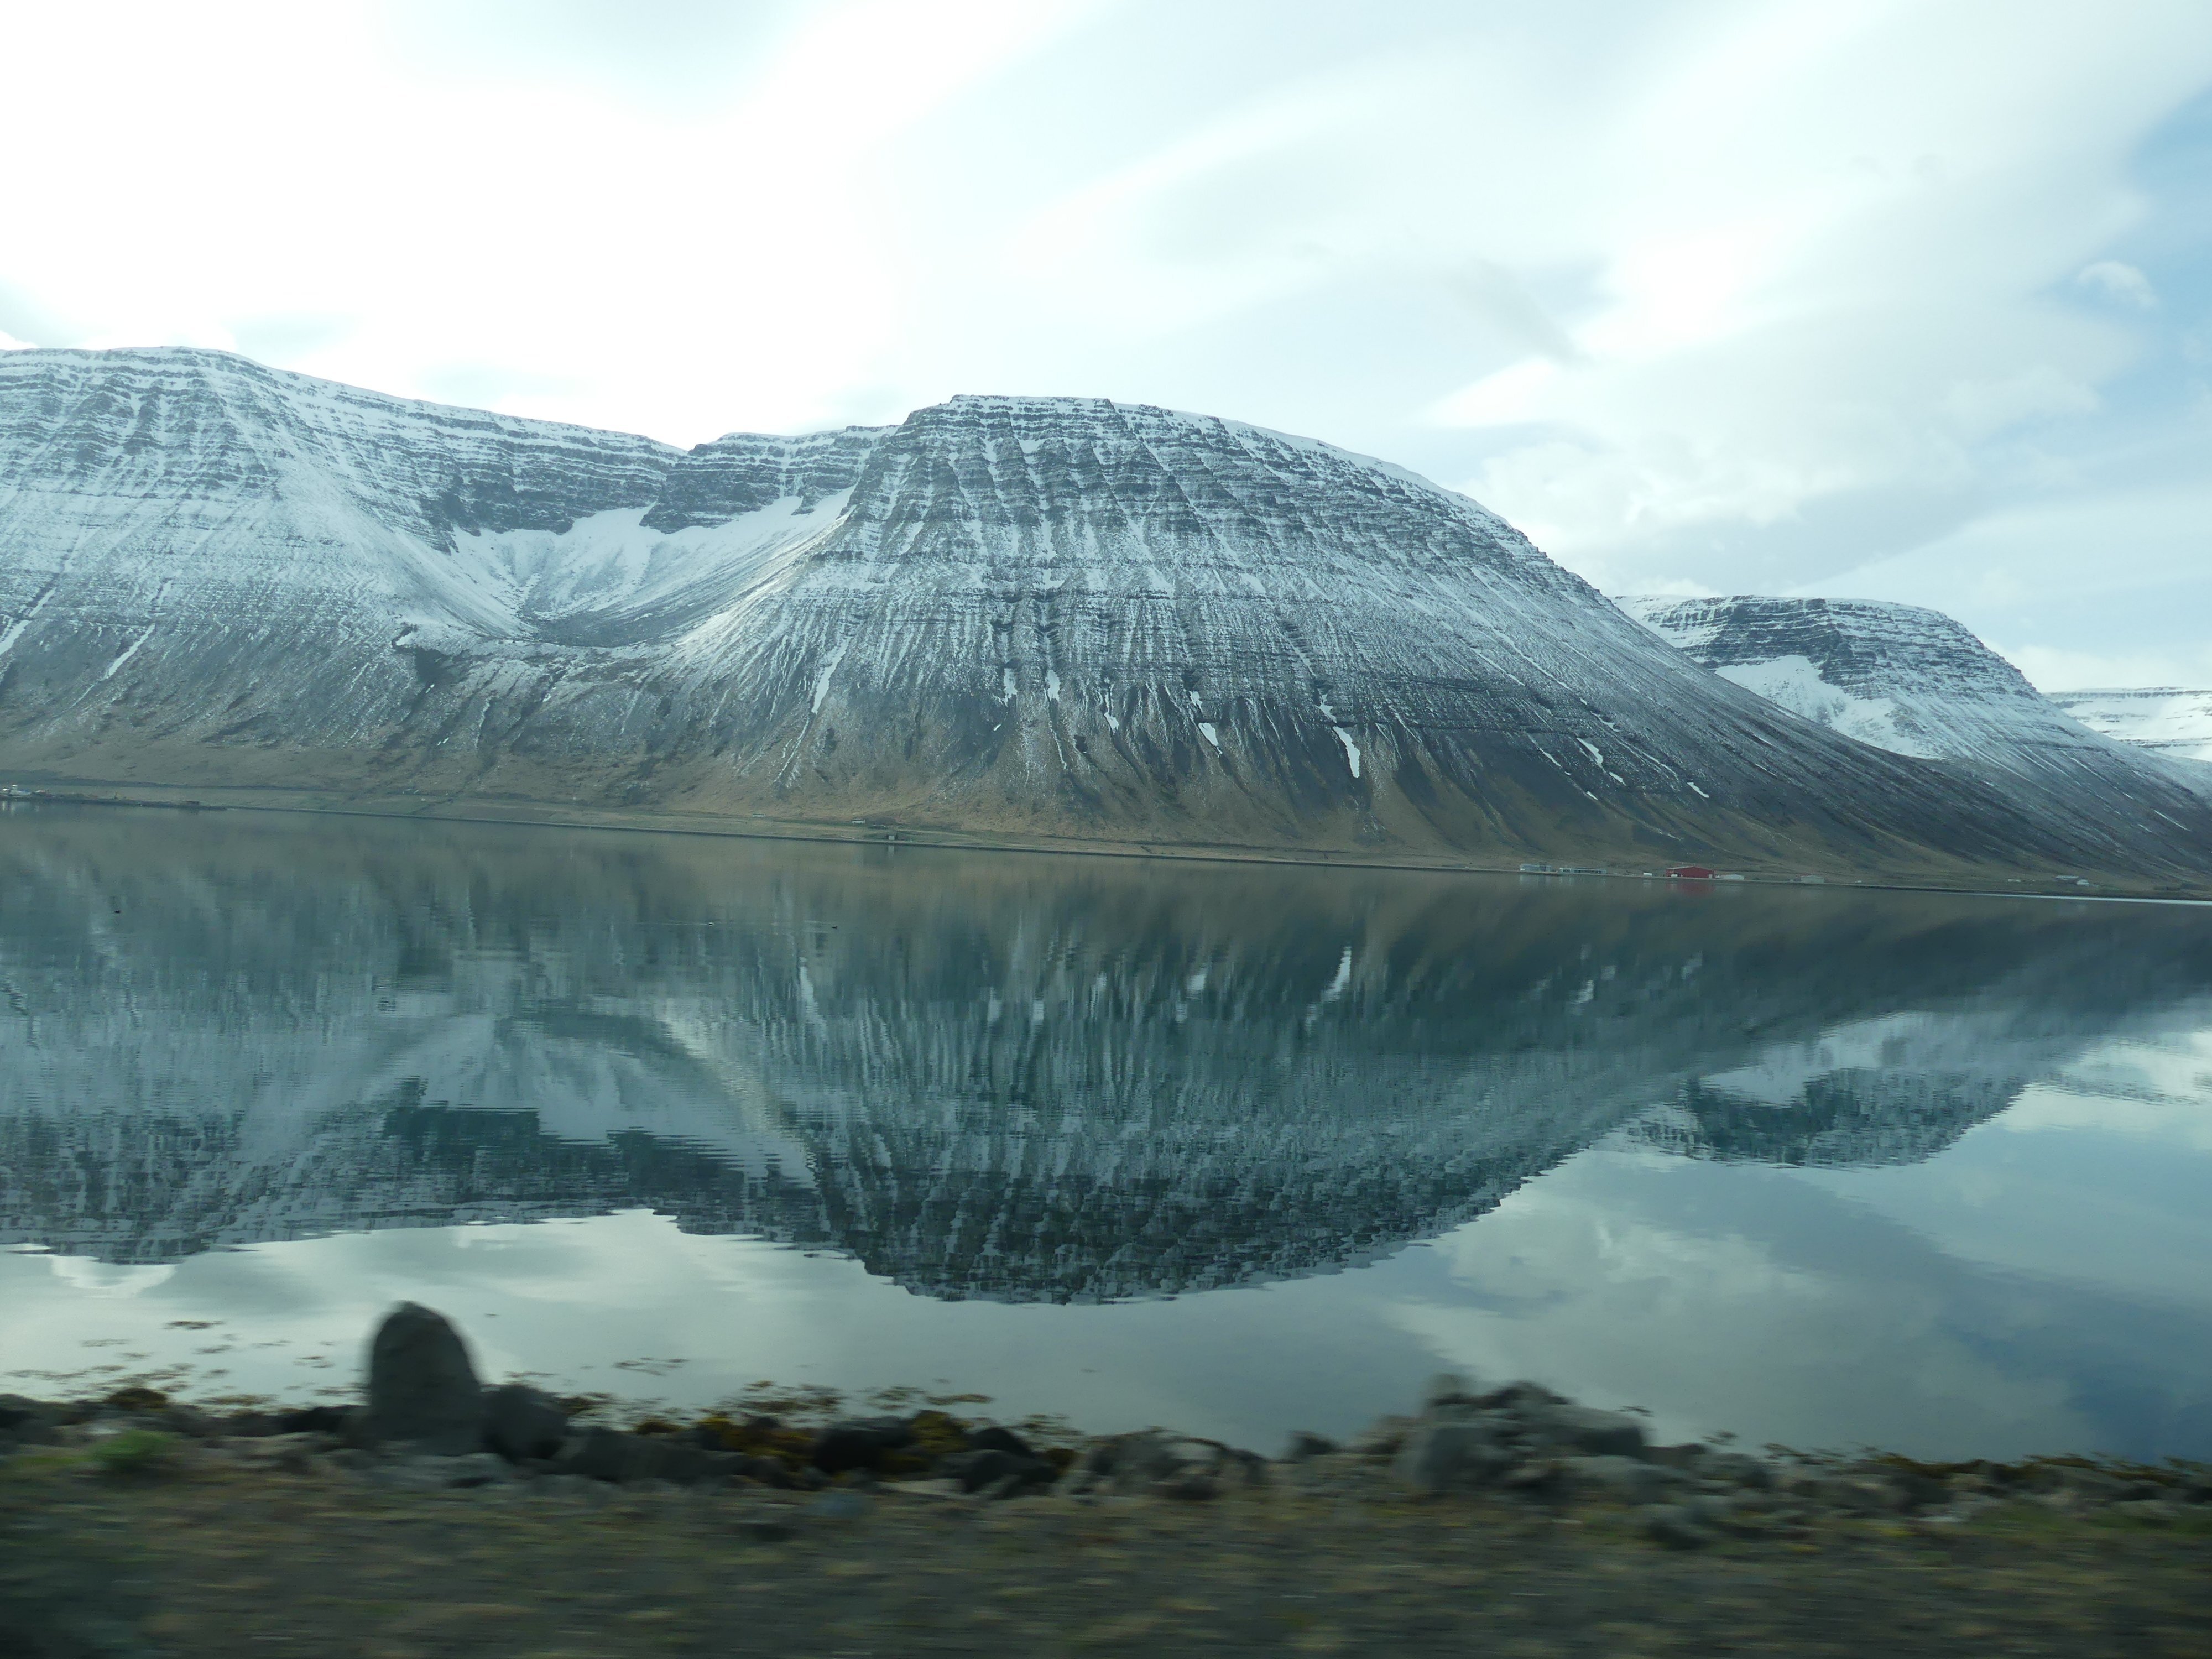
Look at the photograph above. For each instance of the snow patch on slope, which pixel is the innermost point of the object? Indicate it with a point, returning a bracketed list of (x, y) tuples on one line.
[(1351, 748), (1914, 681), (2168, 719), (609, 567), (1795, 682)]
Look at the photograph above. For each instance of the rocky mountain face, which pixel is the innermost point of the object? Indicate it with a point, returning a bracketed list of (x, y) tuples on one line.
[(980, 1075), (1051, 617), (2165, 720), (1916, 683)]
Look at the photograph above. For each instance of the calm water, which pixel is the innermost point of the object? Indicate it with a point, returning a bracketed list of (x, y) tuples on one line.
[(1236, 1149)]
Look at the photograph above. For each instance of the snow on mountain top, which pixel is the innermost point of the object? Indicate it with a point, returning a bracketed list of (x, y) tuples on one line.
[(1862, 645), (180, 367), (237, 392), (1898, 677), (1059, 615), (2172, 720), (1104, 413)]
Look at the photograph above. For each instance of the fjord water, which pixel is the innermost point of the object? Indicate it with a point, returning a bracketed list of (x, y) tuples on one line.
[(1235, 1148)]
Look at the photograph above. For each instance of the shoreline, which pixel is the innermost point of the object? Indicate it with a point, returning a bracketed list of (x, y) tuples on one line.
[(146, 1528), (886, 835), (424, 1420)]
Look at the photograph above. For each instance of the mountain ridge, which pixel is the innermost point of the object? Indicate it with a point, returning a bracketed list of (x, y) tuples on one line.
[(1916, 682), (2172, 720), (1059, 618)]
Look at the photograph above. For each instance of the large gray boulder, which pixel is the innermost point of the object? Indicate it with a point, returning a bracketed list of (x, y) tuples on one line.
[(422, 1391)]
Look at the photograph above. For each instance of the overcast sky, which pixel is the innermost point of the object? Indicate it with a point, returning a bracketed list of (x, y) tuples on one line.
[(1891, 301)]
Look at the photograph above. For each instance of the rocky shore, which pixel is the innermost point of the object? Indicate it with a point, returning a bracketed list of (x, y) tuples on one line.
[(1435, 1502)]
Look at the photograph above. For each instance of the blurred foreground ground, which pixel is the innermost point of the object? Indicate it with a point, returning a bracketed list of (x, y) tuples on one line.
[(212, 1561)]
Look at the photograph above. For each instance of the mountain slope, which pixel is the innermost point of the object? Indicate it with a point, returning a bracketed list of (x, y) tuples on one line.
[(1914, 681), (1059, 617), (2165, 720)]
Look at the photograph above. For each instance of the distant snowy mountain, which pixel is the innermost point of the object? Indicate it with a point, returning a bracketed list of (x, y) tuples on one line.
[(1056, 617), (1916, 683), (2170, 721)]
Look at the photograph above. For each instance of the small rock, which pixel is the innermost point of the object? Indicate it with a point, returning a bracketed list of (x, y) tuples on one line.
[(1382, 1437), (189, 1421), (766, 1529), (314, 1420), (682, 1465), (603, 1454), (1524, 1398), (1857, 1494), (1447, 1388), (1536, 1476), (1916, 1490), (1676, 1527), (1304, 1444), (1710, 1510), (1452, 1455), (27, 1422), (522, 1422), (937, 1487), (568, 1486), (859, 1443), (2091, 1485), (2149, 1511), (478, 1469), (1624, 1479), (1169, 1466), (426, 1473), (422, 1391), (1737, 1469), (990, 1469), (1594, 1433), (992, 1438), (839, 1506)]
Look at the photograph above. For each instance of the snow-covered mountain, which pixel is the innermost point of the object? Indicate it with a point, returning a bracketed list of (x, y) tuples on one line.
[(2165, 720), (1059, 617), (1914, 681), (980, 1075)]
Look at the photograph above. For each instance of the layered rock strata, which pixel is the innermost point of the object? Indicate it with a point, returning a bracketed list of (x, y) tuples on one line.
[(1045, 617)]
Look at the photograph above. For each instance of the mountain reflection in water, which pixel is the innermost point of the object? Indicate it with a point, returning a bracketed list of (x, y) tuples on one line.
[(1010, 1077)]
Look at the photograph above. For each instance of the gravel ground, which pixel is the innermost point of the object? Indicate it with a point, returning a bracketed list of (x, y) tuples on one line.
[(209, 1558)]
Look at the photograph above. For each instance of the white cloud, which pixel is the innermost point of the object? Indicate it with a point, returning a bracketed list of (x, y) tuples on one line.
[(2051, 668), (2119, 281), (2093, 588), (9, 343), (680, 272), (1736, 297)]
